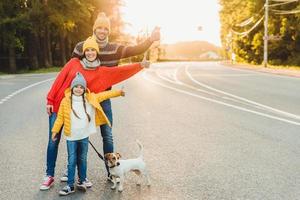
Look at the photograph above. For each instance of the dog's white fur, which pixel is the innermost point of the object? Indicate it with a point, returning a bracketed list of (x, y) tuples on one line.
[(118, 167)]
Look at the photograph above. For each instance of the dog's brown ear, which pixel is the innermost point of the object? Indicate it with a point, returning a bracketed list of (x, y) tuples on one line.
[(106, 156), (118, 155)]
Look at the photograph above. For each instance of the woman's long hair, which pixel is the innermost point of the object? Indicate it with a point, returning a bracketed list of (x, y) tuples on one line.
[(84, 106)]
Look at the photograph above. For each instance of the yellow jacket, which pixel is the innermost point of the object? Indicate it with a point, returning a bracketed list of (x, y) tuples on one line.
[(64, 117)]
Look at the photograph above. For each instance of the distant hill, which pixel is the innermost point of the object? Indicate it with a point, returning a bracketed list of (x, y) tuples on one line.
[(192, 50)]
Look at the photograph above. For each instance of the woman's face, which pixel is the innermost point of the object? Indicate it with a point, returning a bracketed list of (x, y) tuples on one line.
[(90, 54), (78, 90)]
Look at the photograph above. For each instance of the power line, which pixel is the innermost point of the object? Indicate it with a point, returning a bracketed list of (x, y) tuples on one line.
[(245, 33), (250, 20), (285, 12), (283, 3), (284, 0)]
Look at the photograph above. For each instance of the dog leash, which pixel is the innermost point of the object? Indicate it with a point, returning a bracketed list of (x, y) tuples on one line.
[(100, 156)]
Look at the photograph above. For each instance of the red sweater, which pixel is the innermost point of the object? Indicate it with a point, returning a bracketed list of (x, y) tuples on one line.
[(97, 80)]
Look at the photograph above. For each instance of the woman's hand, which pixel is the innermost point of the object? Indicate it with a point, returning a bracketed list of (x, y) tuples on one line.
[(49, 109), (122, 93), (145, 63)]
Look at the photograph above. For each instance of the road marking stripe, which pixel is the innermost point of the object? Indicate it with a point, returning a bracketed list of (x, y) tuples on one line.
[(23, 89), (181, 83), (222, 103), (225, 75), (164, 78), (240, 98)]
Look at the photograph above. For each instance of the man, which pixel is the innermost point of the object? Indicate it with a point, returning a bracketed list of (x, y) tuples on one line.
[(110, 55)]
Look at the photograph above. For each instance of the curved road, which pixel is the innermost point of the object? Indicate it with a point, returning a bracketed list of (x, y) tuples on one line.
[(209, 132)]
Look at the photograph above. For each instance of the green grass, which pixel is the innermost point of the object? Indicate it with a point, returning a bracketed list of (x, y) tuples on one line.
[(36, 71), (41, 70)]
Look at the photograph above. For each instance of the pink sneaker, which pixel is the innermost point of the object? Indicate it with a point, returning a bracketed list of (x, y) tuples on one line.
[(48, 182)]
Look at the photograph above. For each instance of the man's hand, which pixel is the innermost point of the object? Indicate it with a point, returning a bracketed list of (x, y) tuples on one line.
[(49, 109), (155, 35), (54, 137)]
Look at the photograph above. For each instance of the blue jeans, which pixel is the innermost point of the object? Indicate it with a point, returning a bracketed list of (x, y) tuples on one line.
[(52, 147), (106, 131), (77, 155)]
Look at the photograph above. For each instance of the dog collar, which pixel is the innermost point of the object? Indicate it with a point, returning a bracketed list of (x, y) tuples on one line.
[(114, 165)]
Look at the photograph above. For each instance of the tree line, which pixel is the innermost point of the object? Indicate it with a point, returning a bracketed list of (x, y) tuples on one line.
[(242, 30), (41, 33)]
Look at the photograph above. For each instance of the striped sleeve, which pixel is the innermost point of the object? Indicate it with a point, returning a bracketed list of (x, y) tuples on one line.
[(77, 52)]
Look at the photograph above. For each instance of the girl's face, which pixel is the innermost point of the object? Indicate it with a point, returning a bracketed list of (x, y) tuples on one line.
[(90, 54), (78, 90)]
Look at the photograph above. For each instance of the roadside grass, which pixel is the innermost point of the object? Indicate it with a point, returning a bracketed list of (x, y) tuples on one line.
[(282, 67), (277, 67), (36, 71), (41, 70)]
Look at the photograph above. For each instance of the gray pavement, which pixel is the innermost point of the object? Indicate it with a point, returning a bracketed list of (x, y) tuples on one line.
[(209, 132)]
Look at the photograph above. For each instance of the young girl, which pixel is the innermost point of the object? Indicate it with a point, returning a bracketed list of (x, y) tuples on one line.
[(80, 113)]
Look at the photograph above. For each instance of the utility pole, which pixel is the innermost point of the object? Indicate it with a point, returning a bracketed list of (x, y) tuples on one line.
[(266, 34)]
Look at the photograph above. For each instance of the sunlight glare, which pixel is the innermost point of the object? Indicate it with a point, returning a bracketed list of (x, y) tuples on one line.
[(179, 20)]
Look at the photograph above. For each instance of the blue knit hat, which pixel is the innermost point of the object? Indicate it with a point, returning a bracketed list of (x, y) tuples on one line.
[(78, 80)]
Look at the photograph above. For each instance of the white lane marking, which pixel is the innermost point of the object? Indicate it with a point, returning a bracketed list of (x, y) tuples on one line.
[(240, 98), (225, 75), (222, 103), (177, 82), (164, 78), (175, 76), (242, 102), (23, 89), (159, 74)]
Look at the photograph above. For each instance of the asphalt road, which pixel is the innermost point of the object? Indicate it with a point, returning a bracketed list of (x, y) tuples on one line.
[(209, 132)]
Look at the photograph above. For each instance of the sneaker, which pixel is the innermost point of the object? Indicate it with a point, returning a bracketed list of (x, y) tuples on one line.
[(64, 177), (48, 182), (109, 178), (87, 183), (67, 190), (81, 186)]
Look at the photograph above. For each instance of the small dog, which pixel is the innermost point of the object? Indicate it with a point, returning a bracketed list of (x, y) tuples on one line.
[(118, 168)]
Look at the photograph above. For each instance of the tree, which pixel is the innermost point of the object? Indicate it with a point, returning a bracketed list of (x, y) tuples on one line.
[(243, 19), (12, 18), (40, 33)]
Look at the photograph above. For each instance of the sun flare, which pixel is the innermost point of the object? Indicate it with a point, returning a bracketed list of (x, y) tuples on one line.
[(187, 20)]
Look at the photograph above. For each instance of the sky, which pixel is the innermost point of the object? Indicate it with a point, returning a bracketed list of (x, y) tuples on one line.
[(179, 20)]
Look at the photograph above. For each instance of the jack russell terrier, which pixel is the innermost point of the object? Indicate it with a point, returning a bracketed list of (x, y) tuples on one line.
[(118, 168)]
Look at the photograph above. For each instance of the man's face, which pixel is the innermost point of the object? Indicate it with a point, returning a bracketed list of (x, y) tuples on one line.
[(101, 33)]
